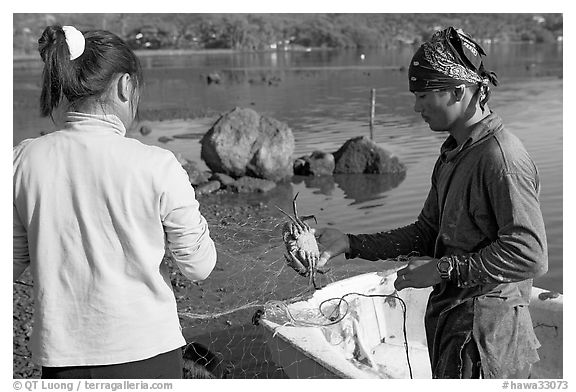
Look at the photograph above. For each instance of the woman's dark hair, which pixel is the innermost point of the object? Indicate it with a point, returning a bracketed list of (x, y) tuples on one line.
[(88, 76)]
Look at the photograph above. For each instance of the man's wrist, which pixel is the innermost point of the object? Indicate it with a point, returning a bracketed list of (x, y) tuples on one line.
[(348, 253)]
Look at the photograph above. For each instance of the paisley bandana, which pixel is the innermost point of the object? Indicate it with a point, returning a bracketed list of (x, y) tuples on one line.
[(451, 58)]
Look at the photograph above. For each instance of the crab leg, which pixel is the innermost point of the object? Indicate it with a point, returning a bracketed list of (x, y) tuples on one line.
[(312, 272), (294, 205), (298, 221), (288, 215)]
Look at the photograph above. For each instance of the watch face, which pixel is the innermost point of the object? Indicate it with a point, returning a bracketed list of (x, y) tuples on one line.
[(443, 266)]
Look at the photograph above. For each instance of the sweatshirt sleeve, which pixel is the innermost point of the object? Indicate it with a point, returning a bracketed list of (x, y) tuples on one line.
[(416, 239), (187, 232), (520, 249), (20, 252)]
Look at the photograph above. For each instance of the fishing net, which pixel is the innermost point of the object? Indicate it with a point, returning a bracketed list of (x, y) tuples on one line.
[(220, 315)]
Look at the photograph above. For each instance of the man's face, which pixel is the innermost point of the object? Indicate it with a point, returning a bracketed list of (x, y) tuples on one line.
[(436, 108)]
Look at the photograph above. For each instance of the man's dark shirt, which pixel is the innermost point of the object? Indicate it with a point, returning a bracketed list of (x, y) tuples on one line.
[(483, 210)]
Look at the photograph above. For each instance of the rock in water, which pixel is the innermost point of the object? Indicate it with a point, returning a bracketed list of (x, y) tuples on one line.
[(362, 155), (213, 77), (316, 164), (242, 142), (145, 130)]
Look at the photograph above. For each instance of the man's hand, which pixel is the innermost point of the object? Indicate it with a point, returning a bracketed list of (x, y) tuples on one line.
[(333, 241), (419, 273)]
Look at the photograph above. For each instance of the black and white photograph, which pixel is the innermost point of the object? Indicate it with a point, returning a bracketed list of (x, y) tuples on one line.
[(289, 195)]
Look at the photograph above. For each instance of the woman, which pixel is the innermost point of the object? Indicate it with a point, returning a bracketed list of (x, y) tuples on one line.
[(93, 211)]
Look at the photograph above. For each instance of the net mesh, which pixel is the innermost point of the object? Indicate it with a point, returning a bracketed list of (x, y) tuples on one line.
[(219, 315)]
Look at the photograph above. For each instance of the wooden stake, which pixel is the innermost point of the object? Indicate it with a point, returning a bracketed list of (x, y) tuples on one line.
[(372, 104)]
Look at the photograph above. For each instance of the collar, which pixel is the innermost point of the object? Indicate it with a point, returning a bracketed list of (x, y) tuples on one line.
[(94, 122), (478, 133)]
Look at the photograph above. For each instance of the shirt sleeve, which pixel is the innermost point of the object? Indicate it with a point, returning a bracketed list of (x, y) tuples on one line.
[(520, 250), (416, 239), (20, 252), (187, 233)]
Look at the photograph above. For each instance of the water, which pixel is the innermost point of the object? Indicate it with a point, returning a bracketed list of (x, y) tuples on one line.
[(324, 98)]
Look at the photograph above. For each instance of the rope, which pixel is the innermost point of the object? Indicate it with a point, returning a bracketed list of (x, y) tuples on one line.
[(205, 316)]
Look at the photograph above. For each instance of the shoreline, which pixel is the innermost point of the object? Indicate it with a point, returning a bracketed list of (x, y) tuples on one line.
[(181, 52), (185, 52)]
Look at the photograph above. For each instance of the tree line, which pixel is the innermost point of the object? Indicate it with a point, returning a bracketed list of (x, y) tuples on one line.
[(269, 31)]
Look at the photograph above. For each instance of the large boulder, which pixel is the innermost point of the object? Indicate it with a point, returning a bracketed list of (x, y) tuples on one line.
[(362, 155), (242, 142)]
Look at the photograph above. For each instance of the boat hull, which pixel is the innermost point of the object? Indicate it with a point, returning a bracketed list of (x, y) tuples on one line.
[(368, 341)]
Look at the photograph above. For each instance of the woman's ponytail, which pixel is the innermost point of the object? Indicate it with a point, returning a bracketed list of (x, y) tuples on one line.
[(57, 68)]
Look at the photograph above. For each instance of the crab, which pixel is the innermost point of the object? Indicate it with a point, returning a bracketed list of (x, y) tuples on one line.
[(303, 253)]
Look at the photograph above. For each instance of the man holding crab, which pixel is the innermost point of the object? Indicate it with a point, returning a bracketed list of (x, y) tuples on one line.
[(480, 236)]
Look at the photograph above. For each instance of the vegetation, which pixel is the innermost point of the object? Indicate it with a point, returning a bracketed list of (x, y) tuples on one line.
[(269, 31)]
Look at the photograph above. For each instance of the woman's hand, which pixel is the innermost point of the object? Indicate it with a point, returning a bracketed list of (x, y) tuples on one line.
[(333, 241), (419, 273)]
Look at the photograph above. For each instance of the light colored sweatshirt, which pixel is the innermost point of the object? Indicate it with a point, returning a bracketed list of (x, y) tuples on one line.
[(93, 211)]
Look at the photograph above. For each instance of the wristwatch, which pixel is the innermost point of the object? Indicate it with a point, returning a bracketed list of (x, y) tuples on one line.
[(444, 267)]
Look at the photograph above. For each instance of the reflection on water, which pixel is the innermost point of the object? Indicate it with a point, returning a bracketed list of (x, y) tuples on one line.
[(324, 98), (320, 185), (367, 187), (356, 187)]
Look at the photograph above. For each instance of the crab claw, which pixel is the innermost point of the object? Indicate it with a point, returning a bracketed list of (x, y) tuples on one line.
[(295, 264), (303, 257)]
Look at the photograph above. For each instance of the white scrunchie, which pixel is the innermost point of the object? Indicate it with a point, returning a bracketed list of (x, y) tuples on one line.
[(75, 41)]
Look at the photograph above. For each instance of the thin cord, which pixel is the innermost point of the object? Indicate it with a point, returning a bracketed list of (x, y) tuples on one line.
[(23, 283)]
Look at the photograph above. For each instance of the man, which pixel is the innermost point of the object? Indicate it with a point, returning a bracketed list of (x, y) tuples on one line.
[(480, 235)]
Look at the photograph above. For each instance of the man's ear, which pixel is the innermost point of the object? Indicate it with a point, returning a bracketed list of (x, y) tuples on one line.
[(459, 92), (124, 87)]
